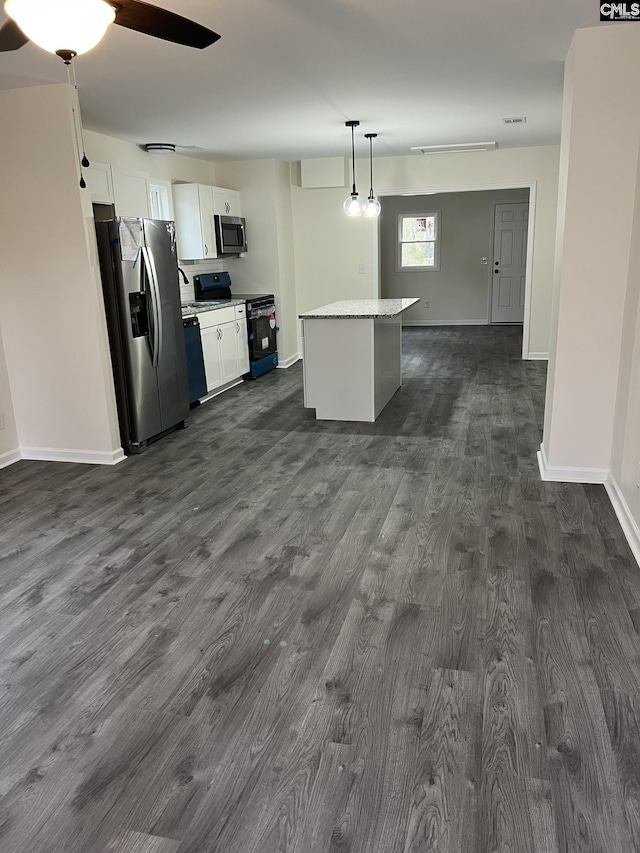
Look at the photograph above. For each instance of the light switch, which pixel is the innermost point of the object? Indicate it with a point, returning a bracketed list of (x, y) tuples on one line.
[(361, 269)]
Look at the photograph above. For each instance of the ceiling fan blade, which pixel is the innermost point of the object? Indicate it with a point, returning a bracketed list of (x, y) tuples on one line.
[(11, 37), (161, 24)]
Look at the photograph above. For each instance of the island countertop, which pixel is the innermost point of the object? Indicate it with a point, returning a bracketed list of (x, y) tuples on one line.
[(357, 309)]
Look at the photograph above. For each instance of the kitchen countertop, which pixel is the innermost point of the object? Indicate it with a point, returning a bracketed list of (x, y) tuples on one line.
[(357, 309), (192, 308)]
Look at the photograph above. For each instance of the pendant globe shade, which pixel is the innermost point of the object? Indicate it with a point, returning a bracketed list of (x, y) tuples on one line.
[(353, 205), (372, 206), (72, 26)]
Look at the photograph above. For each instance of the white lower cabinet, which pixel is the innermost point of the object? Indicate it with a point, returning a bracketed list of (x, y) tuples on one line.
[(211, 355), (224, 345), (242, 339), (229, 351)]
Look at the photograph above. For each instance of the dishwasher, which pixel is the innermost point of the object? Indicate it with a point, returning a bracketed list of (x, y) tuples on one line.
[(196, 378)]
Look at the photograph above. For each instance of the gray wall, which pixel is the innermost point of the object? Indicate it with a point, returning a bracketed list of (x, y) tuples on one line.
[(459, 291)]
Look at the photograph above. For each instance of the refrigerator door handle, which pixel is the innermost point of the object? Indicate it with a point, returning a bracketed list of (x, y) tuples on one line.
[(153, 294), (158, 307)]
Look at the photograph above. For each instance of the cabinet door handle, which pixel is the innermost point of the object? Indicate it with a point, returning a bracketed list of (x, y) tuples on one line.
[(206, 249)]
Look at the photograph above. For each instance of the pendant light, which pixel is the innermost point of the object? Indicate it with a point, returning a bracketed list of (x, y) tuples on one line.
[(372, 207), (353, 205), (62, 26)]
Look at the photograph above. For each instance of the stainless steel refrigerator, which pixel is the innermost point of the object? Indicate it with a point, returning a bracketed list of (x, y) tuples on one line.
[(139, 271)]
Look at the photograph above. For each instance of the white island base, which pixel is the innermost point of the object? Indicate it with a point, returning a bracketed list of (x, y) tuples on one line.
[(352, 364)]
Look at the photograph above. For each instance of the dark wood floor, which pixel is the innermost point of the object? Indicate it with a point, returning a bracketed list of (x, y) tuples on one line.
[(274, 634)]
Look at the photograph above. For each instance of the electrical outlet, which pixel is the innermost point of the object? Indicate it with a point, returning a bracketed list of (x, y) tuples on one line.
[(2, 421)]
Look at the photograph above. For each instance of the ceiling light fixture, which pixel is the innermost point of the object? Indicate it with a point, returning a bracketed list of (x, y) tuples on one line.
[(372, 207), (160, 148), (63, 27), (353, 205), (455, 148)]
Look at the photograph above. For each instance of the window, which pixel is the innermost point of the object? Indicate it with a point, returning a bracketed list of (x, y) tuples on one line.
[(418, 238), (160, 199)]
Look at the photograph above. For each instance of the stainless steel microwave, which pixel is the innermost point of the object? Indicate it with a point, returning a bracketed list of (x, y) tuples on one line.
[(231, 235)]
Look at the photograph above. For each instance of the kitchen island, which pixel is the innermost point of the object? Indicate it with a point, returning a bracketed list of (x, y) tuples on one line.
[(352, 354)]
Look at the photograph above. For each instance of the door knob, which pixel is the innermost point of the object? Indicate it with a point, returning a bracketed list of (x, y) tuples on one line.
[(495, 272)]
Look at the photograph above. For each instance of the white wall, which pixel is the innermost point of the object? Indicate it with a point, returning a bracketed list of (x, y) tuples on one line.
[(9, 447), (51, 312), (268, 265), (329, 247), (625, 463), (458, 292), (129, 157), (597, 269)]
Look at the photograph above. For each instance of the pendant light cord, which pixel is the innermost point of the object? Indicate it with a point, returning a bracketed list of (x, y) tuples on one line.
[(353, 125), (371, 137), (353, 160), (77, 121)]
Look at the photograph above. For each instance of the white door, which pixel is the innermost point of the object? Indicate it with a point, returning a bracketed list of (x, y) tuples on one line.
[(509, 262)]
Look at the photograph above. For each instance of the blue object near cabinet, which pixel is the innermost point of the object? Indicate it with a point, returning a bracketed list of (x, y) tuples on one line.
[(196, 378)]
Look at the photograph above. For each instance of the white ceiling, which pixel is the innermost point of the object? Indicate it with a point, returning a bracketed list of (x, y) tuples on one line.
[(287, 74)]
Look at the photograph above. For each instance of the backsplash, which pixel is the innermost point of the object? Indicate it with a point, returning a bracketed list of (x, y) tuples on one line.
[(193, 268)]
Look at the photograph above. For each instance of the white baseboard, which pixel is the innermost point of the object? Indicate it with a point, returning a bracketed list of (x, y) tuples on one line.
[(445, 323), (290, 361), (626, 519), (538, 356), (565, 474), (87, 457), (9, 458), (600, 476)]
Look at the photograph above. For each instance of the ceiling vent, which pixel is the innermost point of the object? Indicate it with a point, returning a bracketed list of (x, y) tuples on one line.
[(160, 148), (515, 120), (456, 148)]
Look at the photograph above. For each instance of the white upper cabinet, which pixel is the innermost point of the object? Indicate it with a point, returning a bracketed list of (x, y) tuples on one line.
[(226, 202), (193, 206), (128, 191), (99, 182), (131, 193)]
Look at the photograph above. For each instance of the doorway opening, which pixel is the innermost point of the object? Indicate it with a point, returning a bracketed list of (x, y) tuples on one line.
[(477, 226)]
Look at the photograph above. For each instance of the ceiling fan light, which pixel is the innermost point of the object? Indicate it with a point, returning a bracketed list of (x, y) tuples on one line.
[(354, 205), (70, 25)]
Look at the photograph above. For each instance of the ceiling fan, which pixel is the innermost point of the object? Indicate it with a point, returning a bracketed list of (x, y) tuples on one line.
[(70, 27)]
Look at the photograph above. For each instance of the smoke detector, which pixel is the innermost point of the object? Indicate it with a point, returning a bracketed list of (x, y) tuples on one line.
[(160, 148)]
